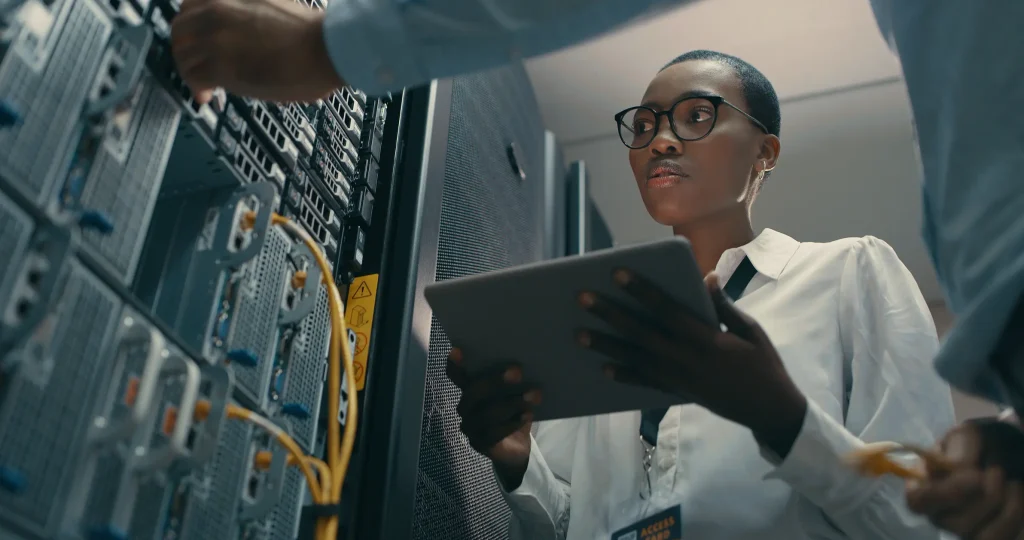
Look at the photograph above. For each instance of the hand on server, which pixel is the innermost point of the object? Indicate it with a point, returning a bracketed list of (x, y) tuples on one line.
[(982, 496), (496, 412), (266, 49)]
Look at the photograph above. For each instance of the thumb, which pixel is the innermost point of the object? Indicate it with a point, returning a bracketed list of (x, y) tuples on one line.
[(203, 96), (728, 314), (963, 445)]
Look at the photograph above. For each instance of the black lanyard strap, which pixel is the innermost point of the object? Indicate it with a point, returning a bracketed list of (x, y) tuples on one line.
[(737, 284), (650, 419)]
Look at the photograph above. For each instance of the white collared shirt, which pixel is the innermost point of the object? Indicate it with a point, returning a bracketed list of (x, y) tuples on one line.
[(855, 335)]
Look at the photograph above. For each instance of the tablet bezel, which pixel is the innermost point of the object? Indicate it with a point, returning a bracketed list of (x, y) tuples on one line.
[(493, 318)]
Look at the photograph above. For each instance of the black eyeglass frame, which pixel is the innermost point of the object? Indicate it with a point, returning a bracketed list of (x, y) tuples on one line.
[(716, 102)]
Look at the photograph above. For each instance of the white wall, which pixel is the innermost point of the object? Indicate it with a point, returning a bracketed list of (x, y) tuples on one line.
[(802, 46)]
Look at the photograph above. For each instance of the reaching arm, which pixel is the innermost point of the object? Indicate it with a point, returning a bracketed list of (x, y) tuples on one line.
[(892, 394), (951, 53), (384, 45)]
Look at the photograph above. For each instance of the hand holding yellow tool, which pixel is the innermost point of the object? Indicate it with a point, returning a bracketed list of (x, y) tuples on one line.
[(878, 459)]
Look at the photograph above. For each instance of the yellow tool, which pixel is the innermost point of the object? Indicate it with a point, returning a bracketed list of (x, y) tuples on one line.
[(878, 459)]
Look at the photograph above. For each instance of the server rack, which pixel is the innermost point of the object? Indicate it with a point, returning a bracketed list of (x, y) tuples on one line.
[(146, 289), (585, 227), (135, 292), (478, 193)]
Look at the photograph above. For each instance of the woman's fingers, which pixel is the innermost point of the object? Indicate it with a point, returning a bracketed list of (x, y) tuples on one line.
[(487, 426), (453, 368), (669, 313), (648, 334), (494, 404), (477, 389)]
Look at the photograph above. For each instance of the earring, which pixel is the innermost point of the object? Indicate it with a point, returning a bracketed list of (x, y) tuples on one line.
[(760, 173)]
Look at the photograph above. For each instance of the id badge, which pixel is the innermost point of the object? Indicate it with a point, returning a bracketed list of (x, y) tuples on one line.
[(655, 517), (664, 525)]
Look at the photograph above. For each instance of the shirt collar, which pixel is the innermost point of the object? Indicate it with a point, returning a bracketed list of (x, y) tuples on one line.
[(770, 252)]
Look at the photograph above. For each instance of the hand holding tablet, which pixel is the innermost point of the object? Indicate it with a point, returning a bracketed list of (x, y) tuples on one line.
[(621, 330), (530, 316), (496, 409)]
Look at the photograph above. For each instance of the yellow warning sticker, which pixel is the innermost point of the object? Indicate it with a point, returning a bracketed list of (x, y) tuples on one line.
[(362, 298)]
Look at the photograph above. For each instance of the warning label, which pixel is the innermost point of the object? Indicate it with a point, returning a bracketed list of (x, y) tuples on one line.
[(362, 299), (363, 290)]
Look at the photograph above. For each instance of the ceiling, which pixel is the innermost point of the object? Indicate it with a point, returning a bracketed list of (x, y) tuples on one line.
[(802, 46), (847, 167)]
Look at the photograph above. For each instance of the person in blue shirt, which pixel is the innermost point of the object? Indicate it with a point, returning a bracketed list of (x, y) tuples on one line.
[(280, 50), (961, 62), (958, 59)]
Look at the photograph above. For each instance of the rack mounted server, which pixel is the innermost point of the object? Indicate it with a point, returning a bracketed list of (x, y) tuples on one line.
[(136, 305)]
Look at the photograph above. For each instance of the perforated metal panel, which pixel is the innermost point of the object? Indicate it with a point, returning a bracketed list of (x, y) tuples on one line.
[(305, 371), (15, 231), (490, 219), (148, 499), (103, 495), (255, 315), (49, 86), (211, 504), (285, 517), (110, 464), (126, 189), (42, 431), (155, 501), (148, 516)]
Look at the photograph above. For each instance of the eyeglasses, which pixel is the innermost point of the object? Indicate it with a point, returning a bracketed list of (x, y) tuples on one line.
[(691, 119)]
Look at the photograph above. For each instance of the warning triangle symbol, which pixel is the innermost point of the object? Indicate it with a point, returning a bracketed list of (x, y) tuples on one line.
[(362, 291)]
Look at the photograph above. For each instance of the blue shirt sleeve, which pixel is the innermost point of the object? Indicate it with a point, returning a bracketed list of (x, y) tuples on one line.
[(385, 45), (961, 62)]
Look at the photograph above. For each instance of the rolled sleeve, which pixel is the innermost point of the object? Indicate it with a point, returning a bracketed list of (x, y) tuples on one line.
[(815, 466), (386, 45), (892, 394), (370, 47), (971, 162), (540, 505)]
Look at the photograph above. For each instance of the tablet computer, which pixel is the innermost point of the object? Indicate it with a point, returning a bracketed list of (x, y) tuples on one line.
[(530, 315)]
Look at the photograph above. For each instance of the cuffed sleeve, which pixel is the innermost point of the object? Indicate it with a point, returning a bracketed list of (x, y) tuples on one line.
[(815, 464), (540, 505), (386, 45), (369, 46), (1010, 416), (892, 394), (862, 508)]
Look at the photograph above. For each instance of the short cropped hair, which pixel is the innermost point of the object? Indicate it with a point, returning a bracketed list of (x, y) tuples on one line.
[(758, 92)]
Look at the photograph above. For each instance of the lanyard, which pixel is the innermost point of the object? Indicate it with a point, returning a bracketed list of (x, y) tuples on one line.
[(651, 418)]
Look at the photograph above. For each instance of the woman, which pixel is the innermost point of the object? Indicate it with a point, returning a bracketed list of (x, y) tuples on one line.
[(840, 354)]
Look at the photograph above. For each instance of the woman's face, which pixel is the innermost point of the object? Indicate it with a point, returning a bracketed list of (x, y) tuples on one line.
[(684, 181)]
